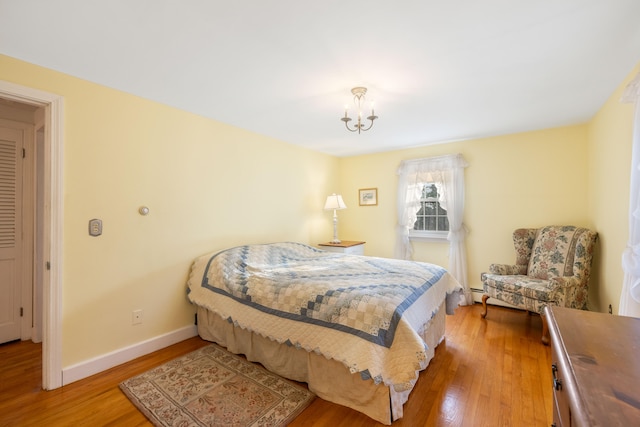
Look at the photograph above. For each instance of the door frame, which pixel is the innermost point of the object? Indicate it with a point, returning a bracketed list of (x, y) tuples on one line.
[(53, 227)]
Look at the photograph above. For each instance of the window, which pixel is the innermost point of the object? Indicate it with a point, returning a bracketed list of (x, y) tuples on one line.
[(431, 218), (431, 204)]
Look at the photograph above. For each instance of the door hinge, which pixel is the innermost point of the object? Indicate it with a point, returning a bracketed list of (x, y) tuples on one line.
[(48, 265), (24, 153), (21, 312)]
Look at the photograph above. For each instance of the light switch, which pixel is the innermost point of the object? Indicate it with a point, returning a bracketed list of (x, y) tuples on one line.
[(95, 227)]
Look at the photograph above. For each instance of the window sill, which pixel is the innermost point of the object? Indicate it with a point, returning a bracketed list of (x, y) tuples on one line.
[(429, 237)]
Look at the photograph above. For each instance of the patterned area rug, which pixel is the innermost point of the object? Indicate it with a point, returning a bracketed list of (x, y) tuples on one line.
[(212, 387)]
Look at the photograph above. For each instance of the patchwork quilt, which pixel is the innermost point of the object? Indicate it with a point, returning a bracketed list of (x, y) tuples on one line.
[(366, 312)]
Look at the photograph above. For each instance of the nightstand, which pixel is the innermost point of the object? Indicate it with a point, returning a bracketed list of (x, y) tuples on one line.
[(345, 247)]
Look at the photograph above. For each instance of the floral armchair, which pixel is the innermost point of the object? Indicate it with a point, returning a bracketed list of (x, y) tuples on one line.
[(553, 265)]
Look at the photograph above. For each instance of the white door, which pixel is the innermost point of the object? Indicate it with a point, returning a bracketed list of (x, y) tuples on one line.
[(11, 143)]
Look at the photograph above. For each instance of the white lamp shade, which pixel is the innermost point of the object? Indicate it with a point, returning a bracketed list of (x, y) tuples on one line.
[(334, 201)]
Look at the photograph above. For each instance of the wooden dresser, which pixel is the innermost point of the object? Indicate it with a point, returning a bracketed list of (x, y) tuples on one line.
[(596, 368)]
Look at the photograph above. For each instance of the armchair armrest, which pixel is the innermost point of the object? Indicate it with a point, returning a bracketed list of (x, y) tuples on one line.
[(569, 291), (507, 269), (566, 281)]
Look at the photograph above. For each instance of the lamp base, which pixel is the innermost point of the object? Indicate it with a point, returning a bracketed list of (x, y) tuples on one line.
[(335, 241)]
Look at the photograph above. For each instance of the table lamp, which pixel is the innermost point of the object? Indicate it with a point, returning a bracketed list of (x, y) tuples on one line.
[(335, 202)]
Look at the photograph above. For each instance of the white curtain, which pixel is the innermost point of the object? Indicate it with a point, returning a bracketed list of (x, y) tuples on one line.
[(447, 172), (630, 298)]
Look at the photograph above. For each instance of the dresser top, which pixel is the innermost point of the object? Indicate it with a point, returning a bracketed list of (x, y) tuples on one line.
[(603, 352)]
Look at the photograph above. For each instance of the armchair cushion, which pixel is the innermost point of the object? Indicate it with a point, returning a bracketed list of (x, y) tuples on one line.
[(553, 252), (518, 290), (534, 294)]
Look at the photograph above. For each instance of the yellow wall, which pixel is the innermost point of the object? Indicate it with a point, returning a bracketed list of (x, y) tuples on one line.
[(610, 143), (208, 186), (520, 180)]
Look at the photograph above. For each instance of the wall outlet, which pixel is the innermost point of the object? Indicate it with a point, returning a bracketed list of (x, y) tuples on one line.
[(95, 227), (136, 317)]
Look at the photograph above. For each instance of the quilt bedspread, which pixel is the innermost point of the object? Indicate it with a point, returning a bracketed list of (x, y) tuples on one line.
[(365, 312)]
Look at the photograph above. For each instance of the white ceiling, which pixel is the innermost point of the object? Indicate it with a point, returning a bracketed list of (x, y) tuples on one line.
[(438, 71)]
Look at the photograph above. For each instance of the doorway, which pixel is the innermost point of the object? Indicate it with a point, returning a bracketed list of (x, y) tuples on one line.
[(48, 242), (17, 208)]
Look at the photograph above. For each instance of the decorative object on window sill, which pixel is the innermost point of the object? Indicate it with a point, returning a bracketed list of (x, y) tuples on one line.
[(358, 99), (368, 196), (336, 203)]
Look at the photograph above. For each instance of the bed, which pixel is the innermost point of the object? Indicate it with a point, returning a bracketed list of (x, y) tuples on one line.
[(357, 329)]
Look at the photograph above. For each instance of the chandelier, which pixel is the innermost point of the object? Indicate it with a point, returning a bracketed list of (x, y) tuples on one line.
[(358, 99)]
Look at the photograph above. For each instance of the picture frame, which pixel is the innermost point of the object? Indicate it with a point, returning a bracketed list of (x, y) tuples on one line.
[(368, 197)]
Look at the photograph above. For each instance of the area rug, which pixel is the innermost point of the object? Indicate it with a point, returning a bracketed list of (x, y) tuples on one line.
[(212, 387)]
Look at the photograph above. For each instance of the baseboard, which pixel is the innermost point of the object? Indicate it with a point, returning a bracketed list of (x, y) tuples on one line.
[(102, 363)]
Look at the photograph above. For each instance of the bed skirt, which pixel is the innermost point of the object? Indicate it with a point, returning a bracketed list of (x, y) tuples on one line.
[(327, 378)]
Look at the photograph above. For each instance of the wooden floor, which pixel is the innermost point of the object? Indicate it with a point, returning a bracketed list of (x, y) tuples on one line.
[(488, 372)]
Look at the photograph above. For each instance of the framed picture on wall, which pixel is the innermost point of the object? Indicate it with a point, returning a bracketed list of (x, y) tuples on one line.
[(368, 196)]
